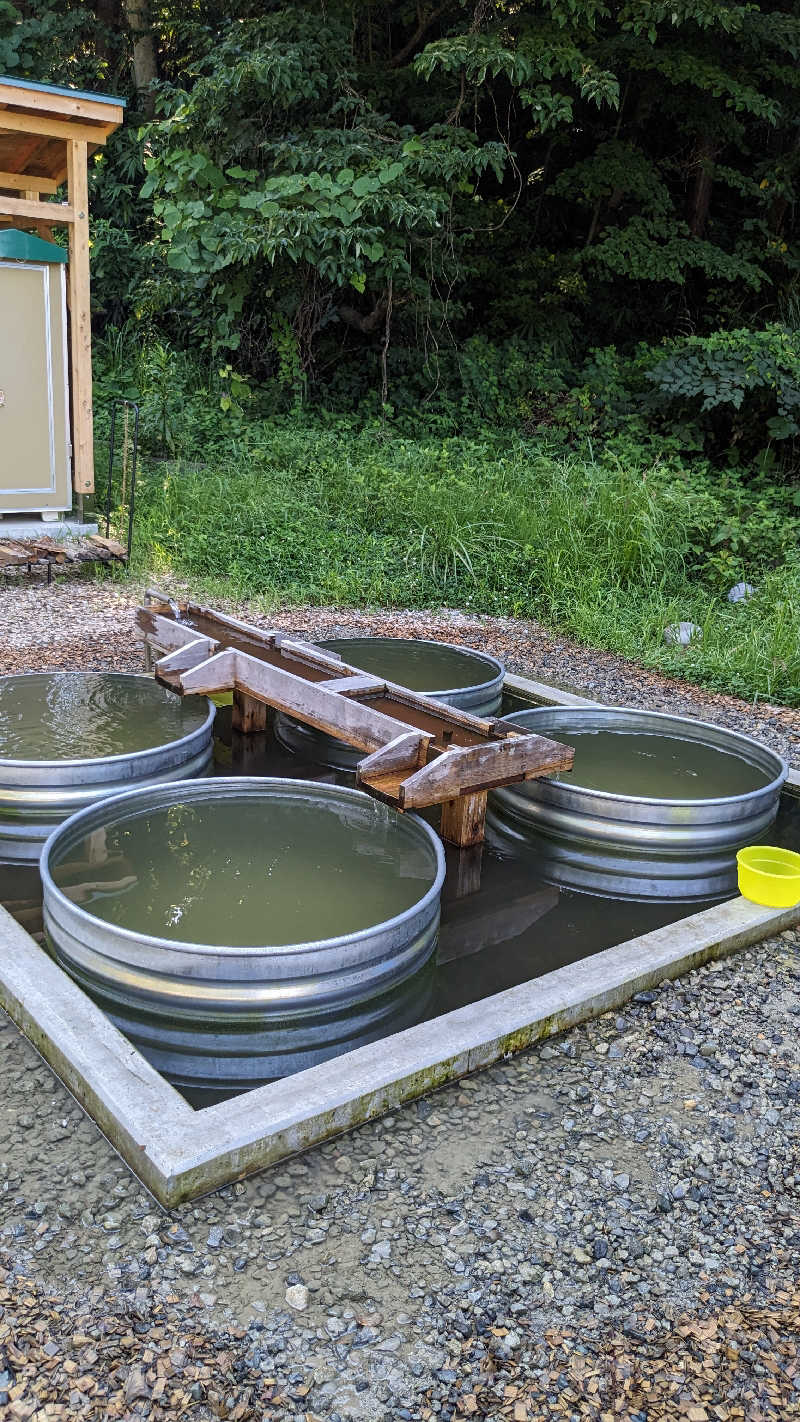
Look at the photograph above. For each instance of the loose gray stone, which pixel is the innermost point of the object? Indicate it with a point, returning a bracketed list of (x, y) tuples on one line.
[(682, 633), (741, 592), (297, 1297)]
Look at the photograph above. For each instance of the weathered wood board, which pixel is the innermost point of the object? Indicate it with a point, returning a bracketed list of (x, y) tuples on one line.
[(418, 752)]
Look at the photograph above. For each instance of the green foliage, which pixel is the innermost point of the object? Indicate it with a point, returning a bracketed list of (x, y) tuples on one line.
[(487, 304), (609, 549), (348, 196), (753, 373)]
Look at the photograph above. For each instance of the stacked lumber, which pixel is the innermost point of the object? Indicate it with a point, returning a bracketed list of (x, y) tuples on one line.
[(53, 552)]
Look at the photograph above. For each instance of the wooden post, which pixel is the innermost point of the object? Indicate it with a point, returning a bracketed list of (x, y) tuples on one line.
[(80, 321), (464, 819), (249, 714), (466, 871)]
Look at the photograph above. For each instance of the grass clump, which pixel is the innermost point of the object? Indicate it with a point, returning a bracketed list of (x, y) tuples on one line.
[(608, 549)]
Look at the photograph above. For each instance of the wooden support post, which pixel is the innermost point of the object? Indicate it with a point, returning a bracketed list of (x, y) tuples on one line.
[(249, 714), (466, 871), (464, 819), (80, 321)]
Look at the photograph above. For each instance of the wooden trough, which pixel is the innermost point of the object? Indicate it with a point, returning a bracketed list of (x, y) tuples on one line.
[(417, 752)]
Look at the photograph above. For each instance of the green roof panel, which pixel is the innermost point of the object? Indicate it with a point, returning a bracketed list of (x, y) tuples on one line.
[(19, 246)]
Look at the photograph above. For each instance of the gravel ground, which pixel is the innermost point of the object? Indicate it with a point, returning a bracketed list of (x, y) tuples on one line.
[(90, 624), (606, 1227)]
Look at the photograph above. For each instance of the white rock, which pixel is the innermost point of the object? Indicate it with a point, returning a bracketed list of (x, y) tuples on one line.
[(297, 1297), (682, 633), (740, 592)]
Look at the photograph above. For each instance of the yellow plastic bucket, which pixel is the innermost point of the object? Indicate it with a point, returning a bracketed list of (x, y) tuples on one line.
[(769, 876)]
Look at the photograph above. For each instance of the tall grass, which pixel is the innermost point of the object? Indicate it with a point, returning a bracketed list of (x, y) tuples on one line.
[(601, 550)]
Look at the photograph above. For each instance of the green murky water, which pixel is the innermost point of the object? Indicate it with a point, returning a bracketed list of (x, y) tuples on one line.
[(659, 767), (417, 665), (244, 872), (89, 715)]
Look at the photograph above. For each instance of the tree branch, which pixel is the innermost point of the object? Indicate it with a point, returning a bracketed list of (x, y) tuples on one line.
[(421, 30), (368, 324)]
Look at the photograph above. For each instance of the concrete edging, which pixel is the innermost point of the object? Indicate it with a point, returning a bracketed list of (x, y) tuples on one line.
[(179, 1153), (538, 692)]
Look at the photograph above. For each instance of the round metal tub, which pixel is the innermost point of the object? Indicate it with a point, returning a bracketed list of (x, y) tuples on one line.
[(638, 846), (210, 1061), (132, 732), (458, 676), (306, 852)]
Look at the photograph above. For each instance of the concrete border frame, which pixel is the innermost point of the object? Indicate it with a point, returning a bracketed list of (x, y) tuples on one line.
[(179, 1153)]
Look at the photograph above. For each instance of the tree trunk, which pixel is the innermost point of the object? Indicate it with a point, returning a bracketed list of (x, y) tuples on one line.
[(700, 197), (107, 13), (145, 64)]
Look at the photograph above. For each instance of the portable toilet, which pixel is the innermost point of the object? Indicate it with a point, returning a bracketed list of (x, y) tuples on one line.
[(35, 449)]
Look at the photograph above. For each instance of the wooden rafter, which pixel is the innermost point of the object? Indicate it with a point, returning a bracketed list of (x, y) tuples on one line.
[(96, 134)]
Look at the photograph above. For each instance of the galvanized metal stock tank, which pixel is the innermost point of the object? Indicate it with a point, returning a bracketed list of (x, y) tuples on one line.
[(626, 846), (213, 1060), (226, 1018), (38, 794), (458, 676)]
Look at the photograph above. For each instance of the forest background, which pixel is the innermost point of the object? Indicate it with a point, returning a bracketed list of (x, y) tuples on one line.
[(484, 304)]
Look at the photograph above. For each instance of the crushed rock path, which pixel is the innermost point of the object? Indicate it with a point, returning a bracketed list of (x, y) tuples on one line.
[(605, 1227), (80, 623)]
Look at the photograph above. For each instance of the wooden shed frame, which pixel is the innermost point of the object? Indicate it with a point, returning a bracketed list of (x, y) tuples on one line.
[(47, 135)]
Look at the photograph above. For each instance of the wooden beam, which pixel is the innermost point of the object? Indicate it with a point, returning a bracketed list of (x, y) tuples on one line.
[(464, 874), (55, 128), (168, 634), (317, 656), (355, 685), (71, 106), (80, 319), (484, 767), (455, 716), (191, 654), (249, 715), (43, 211), (405, 753), (359, 725), (464, 819), (218, 673), (21, 182)]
